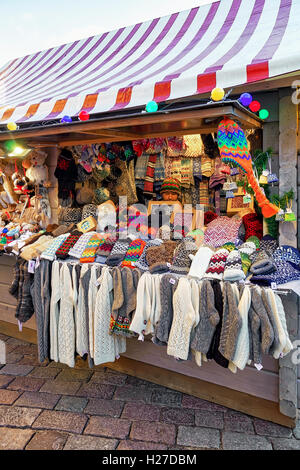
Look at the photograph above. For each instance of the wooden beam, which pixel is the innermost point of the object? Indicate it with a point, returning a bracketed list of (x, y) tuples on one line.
[(139, 120)]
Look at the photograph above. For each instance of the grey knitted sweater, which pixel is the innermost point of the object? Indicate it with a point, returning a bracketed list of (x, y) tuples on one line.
[(163, 327), (232, 323), (267, 332), (208, 319)]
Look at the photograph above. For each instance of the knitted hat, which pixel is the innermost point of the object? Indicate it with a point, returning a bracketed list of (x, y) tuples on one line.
[(118, 252), (268, 243), (246, 250), (142, 261), (170, 184), (216, 265), (253, 226), (200, 262), (229, 246), (288, 253), (285, 273), (165, 232), (160, 257), (181, 259), (254, 240), (262, 263), (133, 253), (233, 268)]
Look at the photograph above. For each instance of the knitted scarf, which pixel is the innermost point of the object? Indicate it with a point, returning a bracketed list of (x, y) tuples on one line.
[(149, 179)]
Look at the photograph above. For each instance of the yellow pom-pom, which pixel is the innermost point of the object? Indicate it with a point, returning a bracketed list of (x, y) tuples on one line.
[(12, 126)]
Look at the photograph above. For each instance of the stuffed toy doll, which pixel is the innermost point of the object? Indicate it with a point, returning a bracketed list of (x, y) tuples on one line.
[(37, 172)]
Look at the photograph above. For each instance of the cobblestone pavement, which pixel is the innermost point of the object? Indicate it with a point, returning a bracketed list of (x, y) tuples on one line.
[(50, 406)]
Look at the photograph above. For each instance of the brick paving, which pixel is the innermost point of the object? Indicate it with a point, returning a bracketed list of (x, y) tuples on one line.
[(52, 407)]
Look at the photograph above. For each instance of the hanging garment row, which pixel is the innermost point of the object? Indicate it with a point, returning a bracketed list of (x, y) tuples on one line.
[(91, 310)]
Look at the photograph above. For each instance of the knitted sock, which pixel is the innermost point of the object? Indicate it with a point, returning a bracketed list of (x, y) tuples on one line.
[(233, 267), (89, 254), (216, 265), (149, 179), (63, 251), (134, 252)]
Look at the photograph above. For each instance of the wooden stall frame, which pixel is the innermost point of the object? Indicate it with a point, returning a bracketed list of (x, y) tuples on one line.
[(202, 119)]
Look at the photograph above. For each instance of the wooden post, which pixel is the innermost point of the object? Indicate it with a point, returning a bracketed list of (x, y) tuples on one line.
[(53, 190), (288, 236)]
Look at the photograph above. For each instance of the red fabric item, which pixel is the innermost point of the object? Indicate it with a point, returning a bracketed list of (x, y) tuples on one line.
[(209, 216), (253, 226), (149, 179)]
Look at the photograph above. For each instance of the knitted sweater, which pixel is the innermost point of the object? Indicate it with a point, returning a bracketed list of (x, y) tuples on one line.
[(208, 319), (106, 347), (66, 323), (168, 285), (241, 355), (254, 328), (282, 337), (267, 333), (56, 293), (232, 324), (184, 319), (276, 343), (144, 298), (288, 346)]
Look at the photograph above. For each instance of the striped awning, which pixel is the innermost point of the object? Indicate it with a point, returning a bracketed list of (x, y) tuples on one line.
[(225, 43)]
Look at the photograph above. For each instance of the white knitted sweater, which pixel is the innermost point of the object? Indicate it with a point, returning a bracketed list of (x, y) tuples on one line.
[(144, 299), (243, 346), (66, 323), (184, 318)]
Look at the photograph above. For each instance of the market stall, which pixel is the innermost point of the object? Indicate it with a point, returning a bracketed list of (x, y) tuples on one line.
[(197, 305)]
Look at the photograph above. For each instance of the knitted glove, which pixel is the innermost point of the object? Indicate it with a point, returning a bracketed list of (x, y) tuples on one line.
[(89, 254), (133, 253)]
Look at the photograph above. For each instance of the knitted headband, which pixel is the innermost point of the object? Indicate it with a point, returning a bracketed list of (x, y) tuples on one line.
[(170, 184)]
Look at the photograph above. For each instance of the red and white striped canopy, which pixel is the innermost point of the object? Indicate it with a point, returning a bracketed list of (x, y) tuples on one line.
[(225, 43)]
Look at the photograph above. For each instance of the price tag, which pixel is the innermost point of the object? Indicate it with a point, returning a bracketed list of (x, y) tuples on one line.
[(117, 357), (273, 285), (141, 337), (20, 325), (169, 265), (172, 281), (37, 263), (258, 366), (31, 266)]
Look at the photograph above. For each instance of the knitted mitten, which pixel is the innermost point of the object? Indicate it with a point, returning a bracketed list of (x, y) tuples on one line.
[(118, 253), (105, 248), (142, 262), (64, 249), (49, 253), (88, 256), (79, 247), (133, 253), (217, 264), (229, 246), (233, 267), (160, 257), (181, 259)]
